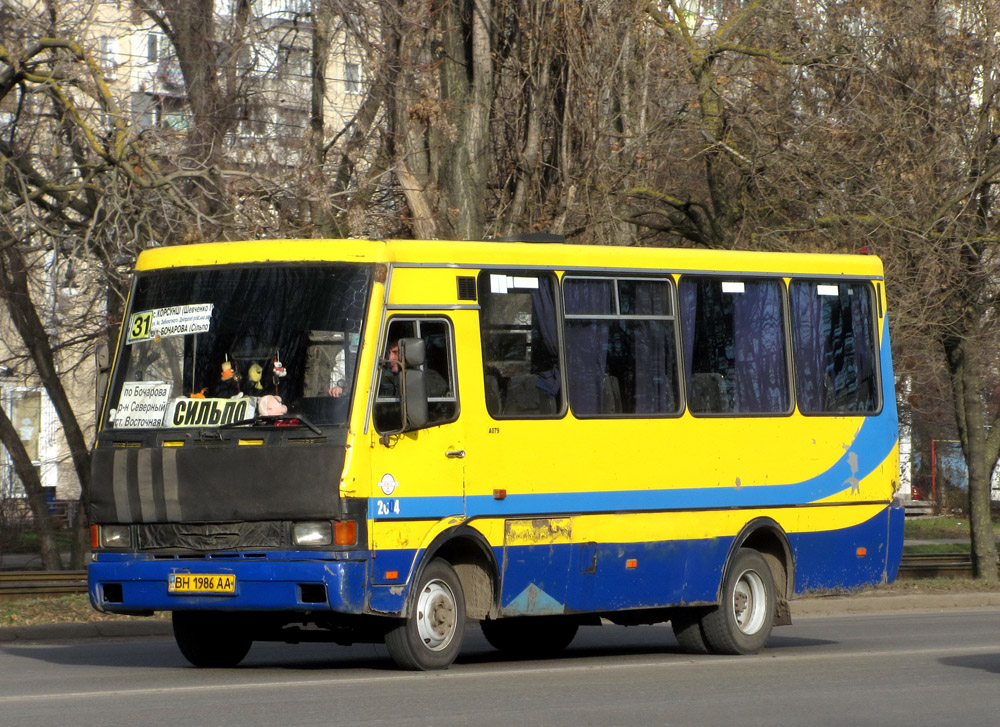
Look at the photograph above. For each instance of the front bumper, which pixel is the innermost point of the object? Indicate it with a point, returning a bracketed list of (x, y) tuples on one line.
[(291, 581)]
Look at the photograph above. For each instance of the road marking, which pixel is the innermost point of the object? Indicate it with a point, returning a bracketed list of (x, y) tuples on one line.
[(478, 672)]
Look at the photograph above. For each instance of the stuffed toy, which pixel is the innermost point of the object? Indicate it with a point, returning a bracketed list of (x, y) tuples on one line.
[(278, 371), (254, 375), (270, 406), (230, 385)]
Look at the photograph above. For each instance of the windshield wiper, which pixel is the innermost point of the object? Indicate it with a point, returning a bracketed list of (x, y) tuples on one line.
[(273, 421)]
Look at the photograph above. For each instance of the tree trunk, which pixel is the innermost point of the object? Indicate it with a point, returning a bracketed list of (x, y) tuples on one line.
[(967, 377), (14, 285), (48, 548)]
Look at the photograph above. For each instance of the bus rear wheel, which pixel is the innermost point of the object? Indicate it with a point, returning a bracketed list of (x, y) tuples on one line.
[(686, 623), (212, 640), (742, 623), (431, 636), (530, 637)]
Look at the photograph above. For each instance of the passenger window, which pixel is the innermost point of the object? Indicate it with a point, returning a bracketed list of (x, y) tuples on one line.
[(517, 318), (621, 353), (833, 335), (438, 368), (735, 359)]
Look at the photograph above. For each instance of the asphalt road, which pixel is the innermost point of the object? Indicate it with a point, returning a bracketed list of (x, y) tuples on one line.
[(894, 669)]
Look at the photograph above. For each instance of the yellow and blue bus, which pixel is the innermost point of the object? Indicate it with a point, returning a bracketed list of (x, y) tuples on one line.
[(353, 440)]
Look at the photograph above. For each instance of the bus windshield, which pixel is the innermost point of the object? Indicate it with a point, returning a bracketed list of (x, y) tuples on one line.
[(211, 347)]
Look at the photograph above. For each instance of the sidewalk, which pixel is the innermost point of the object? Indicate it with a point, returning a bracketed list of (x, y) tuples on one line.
[(802, 609)]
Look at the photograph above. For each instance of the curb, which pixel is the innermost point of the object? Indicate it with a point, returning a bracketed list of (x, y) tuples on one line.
[(818, 606), (804, 608), (86, 630)]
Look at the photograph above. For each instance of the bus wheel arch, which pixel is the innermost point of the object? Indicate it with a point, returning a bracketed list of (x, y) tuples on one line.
[(768, 538), (742, 622), (467, 551), (430, 635)]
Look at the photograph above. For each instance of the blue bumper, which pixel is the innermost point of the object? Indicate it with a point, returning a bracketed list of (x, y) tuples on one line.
[(280, 582)]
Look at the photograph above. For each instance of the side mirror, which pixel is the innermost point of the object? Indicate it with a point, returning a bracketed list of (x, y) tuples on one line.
[(412, 408), (412, 352), (413, 396), (414, 399)]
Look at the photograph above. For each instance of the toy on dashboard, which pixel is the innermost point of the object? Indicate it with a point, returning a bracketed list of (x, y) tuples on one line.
[(230, 384), (270, 406), (278, 371), (254, 375)]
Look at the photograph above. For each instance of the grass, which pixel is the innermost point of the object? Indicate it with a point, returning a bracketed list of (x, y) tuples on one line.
[(35, 611), (936, 548), (941, 527)]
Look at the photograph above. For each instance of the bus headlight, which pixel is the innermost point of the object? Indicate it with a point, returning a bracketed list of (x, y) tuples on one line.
[(116, 536), (316, 533)]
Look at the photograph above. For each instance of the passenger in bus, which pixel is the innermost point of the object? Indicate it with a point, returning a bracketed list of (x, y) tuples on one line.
[(434, 383), (338, 382)]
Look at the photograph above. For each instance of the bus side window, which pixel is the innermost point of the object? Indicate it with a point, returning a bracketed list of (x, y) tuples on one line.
[(517, 318), (621, 356), (735, 358), (833, 334)]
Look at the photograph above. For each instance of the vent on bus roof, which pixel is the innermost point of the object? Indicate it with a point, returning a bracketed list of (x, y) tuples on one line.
[(466, 287)]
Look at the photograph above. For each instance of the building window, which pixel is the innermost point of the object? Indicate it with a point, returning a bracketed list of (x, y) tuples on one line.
[(294, 61), (24, 407), (165, 112), (157, 47), (109, 57), (352, 78)]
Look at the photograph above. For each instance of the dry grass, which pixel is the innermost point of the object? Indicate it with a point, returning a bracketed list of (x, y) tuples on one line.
[(54, 610)]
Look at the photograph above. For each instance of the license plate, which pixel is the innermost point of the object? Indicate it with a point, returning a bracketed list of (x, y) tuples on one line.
[(202, 583)]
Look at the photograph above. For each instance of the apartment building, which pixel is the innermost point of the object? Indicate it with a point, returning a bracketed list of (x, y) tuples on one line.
[(140, 67)]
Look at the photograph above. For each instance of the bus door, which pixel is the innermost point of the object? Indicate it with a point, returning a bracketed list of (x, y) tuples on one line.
[(418, 474)]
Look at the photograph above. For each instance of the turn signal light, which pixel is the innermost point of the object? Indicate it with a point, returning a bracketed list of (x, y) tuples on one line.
[(862, 552), (95, 537), (345, 532)]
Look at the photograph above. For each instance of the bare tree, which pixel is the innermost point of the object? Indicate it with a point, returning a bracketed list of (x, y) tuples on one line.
[(76, 186)]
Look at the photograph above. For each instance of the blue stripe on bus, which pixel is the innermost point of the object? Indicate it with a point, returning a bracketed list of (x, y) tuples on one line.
[(873, 442), (595, 577)]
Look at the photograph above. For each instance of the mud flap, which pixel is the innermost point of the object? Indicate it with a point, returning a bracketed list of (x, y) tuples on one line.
[(782, 613)]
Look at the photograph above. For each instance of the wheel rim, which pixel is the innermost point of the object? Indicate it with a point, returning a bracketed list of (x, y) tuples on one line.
[(436, 622), (749, 602)]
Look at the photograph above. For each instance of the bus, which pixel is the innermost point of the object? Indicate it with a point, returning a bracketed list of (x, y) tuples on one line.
[(389, 441)]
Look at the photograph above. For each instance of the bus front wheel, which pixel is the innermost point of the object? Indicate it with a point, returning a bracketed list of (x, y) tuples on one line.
[(214, 639), (742, 623), (430, 637)]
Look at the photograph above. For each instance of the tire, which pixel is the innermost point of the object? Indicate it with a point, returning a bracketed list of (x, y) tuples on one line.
[(431, 636), (211, 640), (742, 623), (530, 637), (686, 623)]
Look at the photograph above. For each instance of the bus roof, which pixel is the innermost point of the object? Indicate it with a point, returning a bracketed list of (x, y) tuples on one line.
[(462, 254)]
